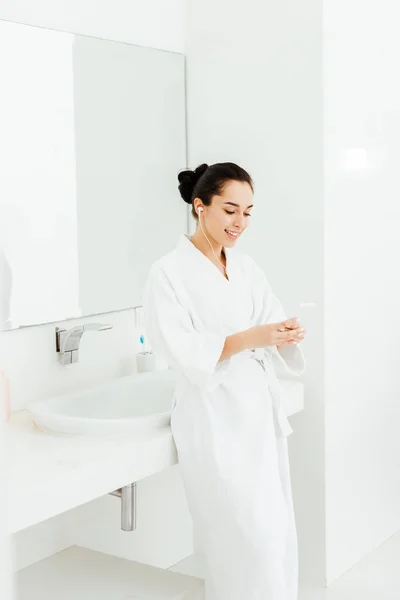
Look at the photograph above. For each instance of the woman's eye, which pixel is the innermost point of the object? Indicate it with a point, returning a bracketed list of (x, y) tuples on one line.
[(229, 212)]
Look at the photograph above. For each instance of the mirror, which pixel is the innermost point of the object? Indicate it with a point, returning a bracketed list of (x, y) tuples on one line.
[(93, 137)]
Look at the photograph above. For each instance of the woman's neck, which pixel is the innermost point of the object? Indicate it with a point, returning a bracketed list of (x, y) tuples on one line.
[(199, 240)]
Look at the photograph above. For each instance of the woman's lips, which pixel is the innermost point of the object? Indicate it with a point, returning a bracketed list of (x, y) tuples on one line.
[(232, 236)]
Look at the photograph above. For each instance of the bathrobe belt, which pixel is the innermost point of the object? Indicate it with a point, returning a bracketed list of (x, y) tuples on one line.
[(265, 361)]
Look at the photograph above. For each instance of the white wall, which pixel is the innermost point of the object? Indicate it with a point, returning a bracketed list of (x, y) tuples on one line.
[(28, 355), (255, 97), (362, 290)]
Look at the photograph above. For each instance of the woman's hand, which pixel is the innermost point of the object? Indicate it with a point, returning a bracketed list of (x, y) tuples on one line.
[(261, 336), (277, 334), (294, 326)]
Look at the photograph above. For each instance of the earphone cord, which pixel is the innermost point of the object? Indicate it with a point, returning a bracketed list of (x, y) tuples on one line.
[(211, 245)]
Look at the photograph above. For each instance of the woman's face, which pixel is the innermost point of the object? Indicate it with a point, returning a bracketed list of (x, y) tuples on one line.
[(228, 215)]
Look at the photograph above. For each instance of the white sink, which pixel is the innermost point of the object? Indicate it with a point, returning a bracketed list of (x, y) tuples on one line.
[(135, 404), (139, 403)]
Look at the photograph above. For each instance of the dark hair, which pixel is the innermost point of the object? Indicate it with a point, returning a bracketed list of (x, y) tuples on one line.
[(208, 181)]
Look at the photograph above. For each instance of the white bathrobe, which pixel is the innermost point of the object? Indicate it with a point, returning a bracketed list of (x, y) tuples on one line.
[(228, 422)]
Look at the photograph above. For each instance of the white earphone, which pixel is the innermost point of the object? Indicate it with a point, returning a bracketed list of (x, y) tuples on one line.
[(200, 210)]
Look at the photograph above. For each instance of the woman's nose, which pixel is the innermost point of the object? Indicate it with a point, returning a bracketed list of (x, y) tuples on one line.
[(239, 221)]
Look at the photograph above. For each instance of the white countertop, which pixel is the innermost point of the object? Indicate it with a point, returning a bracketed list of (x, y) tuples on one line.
[(48, 474)]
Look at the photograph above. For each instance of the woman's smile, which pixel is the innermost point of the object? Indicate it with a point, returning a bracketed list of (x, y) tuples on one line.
[(231, 234)]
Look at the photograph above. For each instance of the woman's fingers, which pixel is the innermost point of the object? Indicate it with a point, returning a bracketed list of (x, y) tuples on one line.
[(290, 323), (290, 335), (285, 336)]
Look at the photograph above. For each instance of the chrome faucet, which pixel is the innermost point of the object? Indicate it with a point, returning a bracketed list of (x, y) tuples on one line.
[(67, 340)]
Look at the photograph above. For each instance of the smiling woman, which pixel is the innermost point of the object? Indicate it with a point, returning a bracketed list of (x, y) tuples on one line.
[(221, 196), (224, 339)]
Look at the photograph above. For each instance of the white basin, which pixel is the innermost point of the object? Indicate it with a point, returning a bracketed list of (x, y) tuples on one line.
[(139, 403), (135, 404)]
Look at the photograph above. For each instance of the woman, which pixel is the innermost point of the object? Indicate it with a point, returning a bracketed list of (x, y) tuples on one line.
[(212, 315)]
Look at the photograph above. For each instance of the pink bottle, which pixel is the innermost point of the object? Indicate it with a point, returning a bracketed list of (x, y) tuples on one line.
[(5, 401)]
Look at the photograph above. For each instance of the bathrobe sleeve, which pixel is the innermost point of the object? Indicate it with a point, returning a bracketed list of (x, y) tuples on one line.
[(172, 335), (267, 309)]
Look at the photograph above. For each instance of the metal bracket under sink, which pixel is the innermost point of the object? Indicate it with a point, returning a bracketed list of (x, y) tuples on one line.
[(128, 495)]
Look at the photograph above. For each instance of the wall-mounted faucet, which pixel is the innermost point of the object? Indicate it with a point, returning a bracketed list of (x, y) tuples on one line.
[(67, 340)]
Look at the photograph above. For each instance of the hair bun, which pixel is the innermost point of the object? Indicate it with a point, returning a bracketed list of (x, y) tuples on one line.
[(187, 181)]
